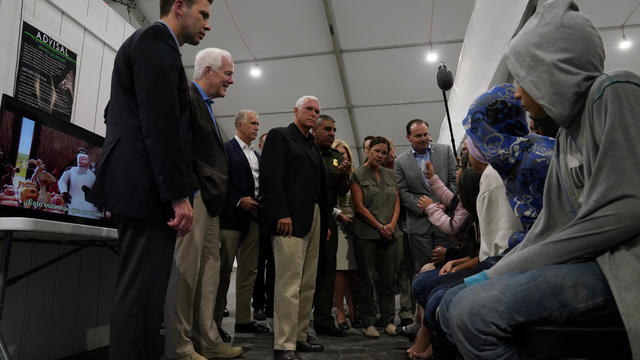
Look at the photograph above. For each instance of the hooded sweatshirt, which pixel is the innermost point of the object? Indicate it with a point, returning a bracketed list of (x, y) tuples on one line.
[(591, 199)]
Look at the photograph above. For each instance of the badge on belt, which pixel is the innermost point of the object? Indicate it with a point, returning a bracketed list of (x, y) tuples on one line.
[(335, 162)]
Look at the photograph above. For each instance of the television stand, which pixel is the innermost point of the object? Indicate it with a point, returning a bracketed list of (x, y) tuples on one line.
[(45, 231)]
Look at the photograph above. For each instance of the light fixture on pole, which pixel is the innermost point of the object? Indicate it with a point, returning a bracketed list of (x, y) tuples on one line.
[(432, 56), (625, 43), (255, 71)]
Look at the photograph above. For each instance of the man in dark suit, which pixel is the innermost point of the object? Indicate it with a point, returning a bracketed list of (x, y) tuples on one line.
[(293, 179), (239, 229), (190, 332), (144, 176)]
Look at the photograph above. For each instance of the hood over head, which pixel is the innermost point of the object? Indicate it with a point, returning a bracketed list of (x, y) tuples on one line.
[(555, 57)]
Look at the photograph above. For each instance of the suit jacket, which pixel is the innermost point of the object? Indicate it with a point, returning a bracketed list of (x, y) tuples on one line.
[(411, 184), (241, 184), (146, 160), (292, 174), (209, 155)]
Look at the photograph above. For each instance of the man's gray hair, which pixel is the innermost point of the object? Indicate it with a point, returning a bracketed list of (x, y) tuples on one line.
[(208, 57), (304, 99), (242, 116)]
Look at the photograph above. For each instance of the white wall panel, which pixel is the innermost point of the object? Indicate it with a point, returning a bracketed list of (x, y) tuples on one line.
[(88, 81), (28, 8), (114, 26), (71, 34), (9, 39), (396, 75), (48, 18)]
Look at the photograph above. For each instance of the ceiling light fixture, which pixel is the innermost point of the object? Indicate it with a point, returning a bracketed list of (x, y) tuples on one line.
[(625, 43), (255, 71), (432, 56)]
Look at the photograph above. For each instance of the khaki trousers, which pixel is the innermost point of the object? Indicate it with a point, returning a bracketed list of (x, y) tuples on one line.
[(191, 294), (244, 247), (296, 262)]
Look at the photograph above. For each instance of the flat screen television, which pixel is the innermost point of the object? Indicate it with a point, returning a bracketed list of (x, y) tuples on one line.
[(47, 165)]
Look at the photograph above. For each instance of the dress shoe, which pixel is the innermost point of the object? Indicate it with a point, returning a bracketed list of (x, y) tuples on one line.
[(371, 332), (285, 355), (305, 346), (252, 327), (357, 324), (225, 313), (224, 335), (330, 330), (406, 321), (390, 330), (223, 351), (259, 314), (343, 325)]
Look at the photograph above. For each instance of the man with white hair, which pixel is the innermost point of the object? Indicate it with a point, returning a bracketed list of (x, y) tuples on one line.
[(293, 179), (240, 232), (190, 331)]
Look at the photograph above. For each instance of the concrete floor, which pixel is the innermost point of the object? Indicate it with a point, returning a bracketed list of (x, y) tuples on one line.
[(259, 346)]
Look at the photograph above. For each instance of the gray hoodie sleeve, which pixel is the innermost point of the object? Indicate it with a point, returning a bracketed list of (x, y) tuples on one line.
[(610, 212)]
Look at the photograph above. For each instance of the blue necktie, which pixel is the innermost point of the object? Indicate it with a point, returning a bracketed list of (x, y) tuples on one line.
[(213, 118)]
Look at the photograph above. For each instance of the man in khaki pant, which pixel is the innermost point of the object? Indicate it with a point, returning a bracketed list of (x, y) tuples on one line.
[(293, 178), (239, 234), (190, 332)]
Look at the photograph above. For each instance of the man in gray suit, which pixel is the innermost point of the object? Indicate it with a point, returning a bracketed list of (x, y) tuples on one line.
[(412, 184), (190, 330)]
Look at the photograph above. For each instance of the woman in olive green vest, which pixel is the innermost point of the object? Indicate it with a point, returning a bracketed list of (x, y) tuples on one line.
[(377, 206)]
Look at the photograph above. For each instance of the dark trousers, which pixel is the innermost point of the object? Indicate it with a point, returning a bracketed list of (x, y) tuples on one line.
[(265, 278), (146, 251), (326, 279), (376, 271)]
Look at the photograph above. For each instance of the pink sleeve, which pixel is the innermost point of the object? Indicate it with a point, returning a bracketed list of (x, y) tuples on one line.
[(440, 219), (440, 190)]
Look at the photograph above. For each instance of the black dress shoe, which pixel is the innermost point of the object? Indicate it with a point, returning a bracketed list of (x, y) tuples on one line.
[(224, 335), (252, 327), (304, 346), (357, 324), (225, 313), (259, 315), (406, 321), (330, 330), (285, 355)]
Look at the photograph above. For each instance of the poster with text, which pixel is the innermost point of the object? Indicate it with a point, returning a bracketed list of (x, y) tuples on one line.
[(46, 73)]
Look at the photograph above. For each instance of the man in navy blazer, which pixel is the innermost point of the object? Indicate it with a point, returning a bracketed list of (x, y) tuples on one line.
[(145, 172), (293, 178), (239, 229)]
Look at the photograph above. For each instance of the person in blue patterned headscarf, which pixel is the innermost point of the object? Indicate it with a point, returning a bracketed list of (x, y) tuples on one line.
[(497, 125)]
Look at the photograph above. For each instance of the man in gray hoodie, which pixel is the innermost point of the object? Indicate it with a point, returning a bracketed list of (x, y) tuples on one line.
[(583, 252)]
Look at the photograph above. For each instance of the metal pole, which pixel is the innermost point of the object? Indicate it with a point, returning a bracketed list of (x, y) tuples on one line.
[(453, 141)]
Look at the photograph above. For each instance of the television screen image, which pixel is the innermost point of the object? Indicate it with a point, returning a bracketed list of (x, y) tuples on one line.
[(47, 166)]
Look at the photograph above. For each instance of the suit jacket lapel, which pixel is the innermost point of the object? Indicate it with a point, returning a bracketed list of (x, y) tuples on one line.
[(415, 170), (205, 117), (241, 155)]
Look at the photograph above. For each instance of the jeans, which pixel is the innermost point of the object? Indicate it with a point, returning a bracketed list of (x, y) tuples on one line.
[(480, 319)]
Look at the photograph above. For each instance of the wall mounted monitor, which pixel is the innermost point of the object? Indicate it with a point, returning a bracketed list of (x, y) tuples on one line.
[(47, 166)]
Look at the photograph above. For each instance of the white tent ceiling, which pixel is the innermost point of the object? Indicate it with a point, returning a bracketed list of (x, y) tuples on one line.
[(376, 78)]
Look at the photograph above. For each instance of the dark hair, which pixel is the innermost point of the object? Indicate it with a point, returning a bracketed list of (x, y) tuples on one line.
[(324, 117), (368, 137), (380, 140), (468, 189), (464, 161), (415, 121), (545, 126), (165, 5)]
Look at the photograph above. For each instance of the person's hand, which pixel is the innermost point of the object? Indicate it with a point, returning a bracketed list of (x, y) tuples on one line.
[(183, 217), (438, 254), (284, 227), (344, 219), (424, 202), (447, 268), (328, 234), (248, 204), (427, 267), (344, 167), (387, 231), (428, 169)]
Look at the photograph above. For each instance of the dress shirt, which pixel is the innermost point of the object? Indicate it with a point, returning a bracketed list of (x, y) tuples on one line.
[(421, 160), (253, 163)]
